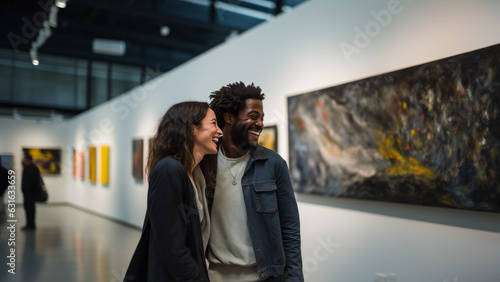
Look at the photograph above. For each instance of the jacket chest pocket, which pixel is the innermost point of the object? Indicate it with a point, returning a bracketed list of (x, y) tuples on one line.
[(265, 197)]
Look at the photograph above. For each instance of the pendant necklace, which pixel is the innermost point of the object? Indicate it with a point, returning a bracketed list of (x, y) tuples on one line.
[(227, 165)]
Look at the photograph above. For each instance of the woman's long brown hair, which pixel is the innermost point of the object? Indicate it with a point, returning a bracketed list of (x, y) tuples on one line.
[(174, 136)]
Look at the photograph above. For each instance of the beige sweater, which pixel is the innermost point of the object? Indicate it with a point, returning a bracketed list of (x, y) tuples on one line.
[(201, 201)]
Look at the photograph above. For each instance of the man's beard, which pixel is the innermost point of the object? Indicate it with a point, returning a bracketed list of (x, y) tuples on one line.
[(240, 139)]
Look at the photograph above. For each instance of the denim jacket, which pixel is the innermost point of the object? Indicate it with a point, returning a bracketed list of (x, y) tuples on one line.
[(273, 216)]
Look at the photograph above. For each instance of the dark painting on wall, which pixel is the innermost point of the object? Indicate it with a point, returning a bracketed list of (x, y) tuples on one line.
[(7, 161), (47, 160), (137, 159), (428, 135)]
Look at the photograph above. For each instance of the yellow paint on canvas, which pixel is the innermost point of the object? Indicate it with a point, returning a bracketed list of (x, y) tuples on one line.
[(402, 165), (105, 164), (92, 164), (267, 138), (446, 202)]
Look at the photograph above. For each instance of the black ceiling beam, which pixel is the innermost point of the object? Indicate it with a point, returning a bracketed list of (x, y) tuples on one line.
[(157, 17), (279, 7), (213, 11), (129, 10), (94, 12), (251, 6), (165, 62), (92, 31), (58, 109)]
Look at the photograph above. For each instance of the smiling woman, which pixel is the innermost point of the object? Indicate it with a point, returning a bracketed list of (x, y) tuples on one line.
[(175, 233), (206, 136)]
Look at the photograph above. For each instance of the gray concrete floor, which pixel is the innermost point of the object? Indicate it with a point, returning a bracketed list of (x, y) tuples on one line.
[(69, 245)]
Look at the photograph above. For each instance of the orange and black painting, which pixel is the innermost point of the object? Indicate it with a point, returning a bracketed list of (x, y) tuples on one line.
[(427, 135)]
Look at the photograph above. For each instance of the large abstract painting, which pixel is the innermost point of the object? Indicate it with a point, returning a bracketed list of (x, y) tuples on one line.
[(428, 135), (47, 160)]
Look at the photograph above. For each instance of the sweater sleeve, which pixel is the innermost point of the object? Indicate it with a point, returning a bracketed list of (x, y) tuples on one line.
[(169, 220)]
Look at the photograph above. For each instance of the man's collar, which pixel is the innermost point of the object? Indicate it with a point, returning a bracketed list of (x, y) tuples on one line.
[(258, 153)]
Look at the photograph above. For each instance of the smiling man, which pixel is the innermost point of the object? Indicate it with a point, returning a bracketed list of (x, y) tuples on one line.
[(255, 230)]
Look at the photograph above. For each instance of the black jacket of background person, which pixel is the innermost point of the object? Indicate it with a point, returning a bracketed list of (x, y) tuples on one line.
[(4, 182), (171, 247), (31, 181)]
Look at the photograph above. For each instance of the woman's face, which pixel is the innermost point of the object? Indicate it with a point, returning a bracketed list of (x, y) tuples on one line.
[(206, 135)]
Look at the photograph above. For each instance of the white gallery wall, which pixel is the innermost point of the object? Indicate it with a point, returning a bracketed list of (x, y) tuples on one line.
[(18, 134), (320, 44)]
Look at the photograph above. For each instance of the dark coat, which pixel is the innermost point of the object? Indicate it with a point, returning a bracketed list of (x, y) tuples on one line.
[(171, 245), (30, 183), (4, 180)]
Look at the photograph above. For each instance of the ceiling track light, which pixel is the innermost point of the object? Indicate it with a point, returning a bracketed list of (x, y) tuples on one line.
[(34, 56), (53, 16), (164, 30), (61, 4), (44, 33)]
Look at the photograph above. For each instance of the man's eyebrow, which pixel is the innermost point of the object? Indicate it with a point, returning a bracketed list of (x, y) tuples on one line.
[(255, 112)]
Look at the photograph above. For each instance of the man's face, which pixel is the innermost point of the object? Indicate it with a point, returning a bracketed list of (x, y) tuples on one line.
[(248, 124)]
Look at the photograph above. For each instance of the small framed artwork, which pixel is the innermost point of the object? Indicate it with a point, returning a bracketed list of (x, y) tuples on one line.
[(74, 156), (137, 159), (269, 137), (7, 161), (82, 165), (105, 165), (92, 164)]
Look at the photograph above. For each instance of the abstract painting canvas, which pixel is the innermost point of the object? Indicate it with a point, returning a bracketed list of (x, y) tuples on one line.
[(47, 160), (269, 137), (7, 161), (92, 164), (428, 135), (137, 159), (105, 165), (82, 165), (75, 171)]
